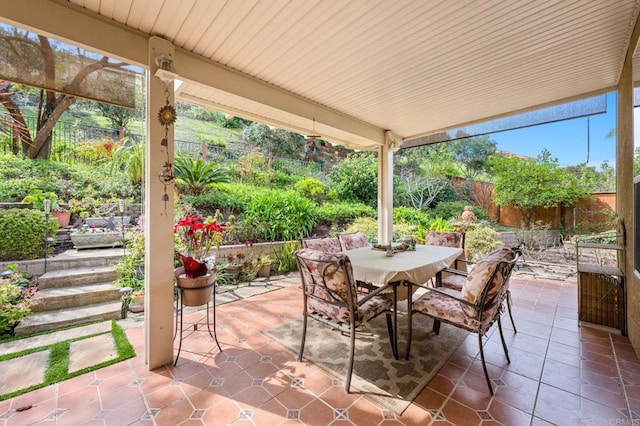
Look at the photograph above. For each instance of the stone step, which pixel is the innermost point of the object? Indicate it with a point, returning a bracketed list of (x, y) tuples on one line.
[(50, 299), (84, 259), (76, 277), (51, 320), (70, 259)]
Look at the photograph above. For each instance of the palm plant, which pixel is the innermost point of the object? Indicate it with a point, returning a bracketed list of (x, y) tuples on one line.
[(194, 175)]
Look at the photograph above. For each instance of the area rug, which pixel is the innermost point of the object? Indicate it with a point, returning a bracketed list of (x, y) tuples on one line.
[(39, 360), (391, 383)]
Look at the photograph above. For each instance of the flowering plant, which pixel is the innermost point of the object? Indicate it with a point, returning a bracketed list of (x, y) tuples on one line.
[(90, 229), (197, 236)]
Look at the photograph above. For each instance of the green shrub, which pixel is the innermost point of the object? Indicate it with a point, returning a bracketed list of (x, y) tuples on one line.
[(281, 215), (13, 305), (366, 225), (343, 212), (439, 224), (454, 209), (128, 267), (480, 241), (285, 258), (233, 197), (311, 188), (356, 178), (23, 233), (410, 216)]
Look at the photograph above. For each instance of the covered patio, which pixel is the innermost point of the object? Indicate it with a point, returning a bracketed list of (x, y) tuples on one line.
[(370, 76), (559, 374)]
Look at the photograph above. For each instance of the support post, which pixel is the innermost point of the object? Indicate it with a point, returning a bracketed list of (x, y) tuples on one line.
[(158, 221)]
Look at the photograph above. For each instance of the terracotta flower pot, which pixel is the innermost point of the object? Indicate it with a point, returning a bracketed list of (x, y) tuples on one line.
[(63, 218), (195, 291), (265, 270)]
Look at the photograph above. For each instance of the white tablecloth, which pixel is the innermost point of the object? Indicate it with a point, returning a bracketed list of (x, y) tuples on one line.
[(373, 266)]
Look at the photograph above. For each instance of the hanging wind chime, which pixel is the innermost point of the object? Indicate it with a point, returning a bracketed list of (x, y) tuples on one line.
[(167, 116)]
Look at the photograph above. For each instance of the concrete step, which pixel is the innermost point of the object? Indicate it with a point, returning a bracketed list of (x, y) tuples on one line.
[(51, 320), (70, 259), (50, 299), (84, 259), (76, 277)]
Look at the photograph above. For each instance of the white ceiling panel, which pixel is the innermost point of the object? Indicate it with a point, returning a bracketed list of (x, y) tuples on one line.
[(410, 66)]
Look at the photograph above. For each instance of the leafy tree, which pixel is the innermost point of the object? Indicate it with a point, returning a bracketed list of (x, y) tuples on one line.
[(36, 52), (356, 178), (423, 170), (472, 155), (593, 179), (530, 184), (278, 142), (120, 117)]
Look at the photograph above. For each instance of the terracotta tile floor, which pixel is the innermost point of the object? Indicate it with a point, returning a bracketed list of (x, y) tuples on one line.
[(559, 374)]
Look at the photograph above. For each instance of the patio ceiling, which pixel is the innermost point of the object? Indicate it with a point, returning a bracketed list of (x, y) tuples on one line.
[(361, 67)]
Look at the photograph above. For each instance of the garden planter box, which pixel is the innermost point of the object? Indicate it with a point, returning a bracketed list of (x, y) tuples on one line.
[(96, 240)]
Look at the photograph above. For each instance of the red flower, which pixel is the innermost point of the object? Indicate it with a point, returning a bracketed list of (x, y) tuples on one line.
[(197, 236)]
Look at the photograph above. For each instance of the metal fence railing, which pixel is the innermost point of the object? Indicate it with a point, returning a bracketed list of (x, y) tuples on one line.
[(68, 138)]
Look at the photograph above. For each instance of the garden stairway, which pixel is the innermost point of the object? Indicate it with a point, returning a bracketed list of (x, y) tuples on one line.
[(76, 289)]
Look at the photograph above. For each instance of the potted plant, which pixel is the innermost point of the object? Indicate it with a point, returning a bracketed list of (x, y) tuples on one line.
[(94, 237), (196, 238), (36, 198), (262, 265)]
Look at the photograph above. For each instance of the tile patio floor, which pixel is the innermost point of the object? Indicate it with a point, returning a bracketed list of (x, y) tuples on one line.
[(559, 374)]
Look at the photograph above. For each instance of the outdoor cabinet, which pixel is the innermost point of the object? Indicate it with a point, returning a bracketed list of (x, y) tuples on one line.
[(601, 291)]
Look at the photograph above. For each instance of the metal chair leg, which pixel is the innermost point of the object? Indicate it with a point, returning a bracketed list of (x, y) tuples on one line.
[(504, 344), (436, 326), (484, 365), (351, 357), (509, 309), (304, 336)]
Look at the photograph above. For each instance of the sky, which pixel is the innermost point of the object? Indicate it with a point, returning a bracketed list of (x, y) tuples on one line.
[(567, 140)]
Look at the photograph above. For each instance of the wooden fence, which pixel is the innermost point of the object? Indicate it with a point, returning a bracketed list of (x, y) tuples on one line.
[(594, 214)]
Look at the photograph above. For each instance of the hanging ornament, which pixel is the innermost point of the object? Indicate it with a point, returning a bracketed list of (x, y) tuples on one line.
[(166, 117)]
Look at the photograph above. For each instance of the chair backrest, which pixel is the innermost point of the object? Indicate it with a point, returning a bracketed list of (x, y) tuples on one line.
[(446, 239), (487, 284), (325, 245), (328, 285), (353, 241)]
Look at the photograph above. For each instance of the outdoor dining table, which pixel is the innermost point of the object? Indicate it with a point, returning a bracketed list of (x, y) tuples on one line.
[(391, 274)]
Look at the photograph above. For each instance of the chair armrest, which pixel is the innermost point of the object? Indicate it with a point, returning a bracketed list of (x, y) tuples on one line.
[(455, 271), (459, 299)]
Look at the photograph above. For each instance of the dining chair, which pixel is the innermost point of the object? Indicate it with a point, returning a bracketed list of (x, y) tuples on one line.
[(353, 240), (325, 245), (476, 307), (445, 239), (331, 297), (456, 282)]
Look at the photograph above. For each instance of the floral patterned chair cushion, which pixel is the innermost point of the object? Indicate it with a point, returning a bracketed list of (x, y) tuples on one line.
[(353, 241), (325, 245), (330, 288), (480, 276), (446, 239), (448, 309)]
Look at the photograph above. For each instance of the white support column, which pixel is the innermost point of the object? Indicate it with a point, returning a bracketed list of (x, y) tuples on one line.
[(385, 186), (158, 220)]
